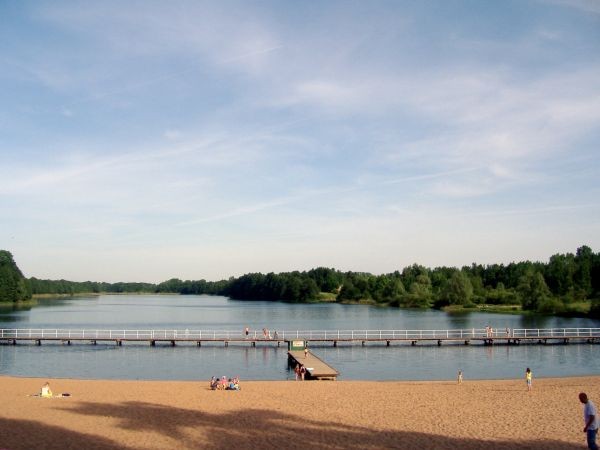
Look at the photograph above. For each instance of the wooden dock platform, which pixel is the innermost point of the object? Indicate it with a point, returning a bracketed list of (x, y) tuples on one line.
[(316, 368)]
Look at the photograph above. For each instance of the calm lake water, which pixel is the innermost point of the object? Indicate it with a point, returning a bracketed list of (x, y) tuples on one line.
[(267, 361)]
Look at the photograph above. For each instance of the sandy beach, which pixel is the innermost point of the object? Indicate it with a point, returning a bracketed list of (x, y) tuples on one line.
[(286, 414)]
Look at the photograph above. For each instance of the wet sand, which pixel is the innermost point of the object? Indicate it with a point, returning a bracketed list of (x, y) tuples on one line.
[(288, 415)]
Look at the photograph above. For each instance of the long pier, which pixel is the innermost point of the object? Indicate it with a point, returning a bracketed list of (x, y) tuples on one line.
[(485, 336)]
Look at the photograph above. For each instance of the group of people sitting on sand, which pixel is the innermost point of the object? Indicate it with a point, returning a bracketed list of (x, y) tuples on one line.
[(225, 384)]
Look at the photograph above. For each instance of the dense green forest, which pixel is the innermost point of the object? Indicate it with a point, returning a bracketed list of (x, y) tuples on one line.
[(566, 284), (13, 285)]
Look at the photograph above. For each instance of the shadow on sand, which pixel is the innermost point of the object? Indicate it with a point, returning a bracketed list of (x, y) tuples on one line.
[(252, 428)]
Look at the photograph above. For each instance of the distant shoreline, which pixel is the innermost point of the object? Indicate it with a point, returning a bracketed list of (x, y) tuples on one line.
[(454, 309), (450, 381)]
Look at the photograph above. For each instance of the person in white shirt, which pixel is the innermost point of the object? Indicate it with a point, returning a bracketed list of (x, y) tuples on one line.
[(46, 391), (590, 417)]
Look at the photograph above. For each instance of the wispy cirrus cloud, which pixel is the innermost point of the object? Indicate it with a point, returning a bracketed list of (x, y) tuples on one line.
[(344, 135)]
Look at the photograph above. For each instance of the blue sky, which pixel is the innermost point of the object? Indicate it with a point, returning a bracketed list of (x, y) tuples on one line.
[(141, 141)]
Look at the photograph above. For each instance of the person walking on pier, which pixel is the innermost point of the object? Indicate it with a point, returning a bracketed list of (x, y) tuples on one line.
[(528, 378), (246, 331), (590, 417)]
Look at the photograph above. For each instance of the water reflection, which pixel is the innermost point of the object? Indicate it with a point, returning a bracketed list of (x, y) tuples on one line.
[(267, 361)]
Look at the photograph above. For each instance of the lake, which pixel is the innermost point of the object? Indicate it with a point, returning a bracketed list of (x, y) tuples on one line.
[(267, 361)]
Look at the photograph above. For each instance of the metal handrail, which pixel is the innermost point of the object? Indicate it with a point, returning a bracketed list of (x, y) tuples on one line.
[(354, 335)]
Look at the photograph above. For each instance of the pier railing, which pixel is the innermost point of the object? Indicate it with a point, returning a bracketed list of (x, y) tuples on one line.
[(326, 335)]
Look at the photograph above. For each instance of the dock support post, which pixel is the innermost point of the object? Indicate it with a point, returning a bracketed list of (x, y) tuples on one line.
[(93, 342), (119, 342), (199, 343), (413, 343), (253, 343), (467, 342), (439, 343), (172, 343), (38, 342), (226, 343), (363, 343), (153, 343), (335, 343), (387, 343)]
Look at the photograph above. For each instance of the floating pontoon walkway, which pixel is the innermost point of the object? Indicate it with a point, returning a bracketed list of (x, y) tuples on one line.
[(334, 337), (316, 368)]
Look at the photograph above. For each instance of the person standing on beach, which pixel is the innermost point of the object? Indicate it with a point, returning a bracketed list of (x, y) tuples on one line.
[(590, 418), (460, 377), (528, 376)]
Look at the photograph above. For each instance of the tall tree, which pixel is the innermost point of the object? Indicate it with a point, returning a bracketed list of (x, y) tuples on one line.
[(583, 274), (459, 289), (533, 290), (13, 285)]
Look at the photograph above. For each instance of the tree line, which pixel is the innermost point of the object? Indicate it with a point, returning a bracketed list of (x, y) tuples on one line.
[(560, 286)]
